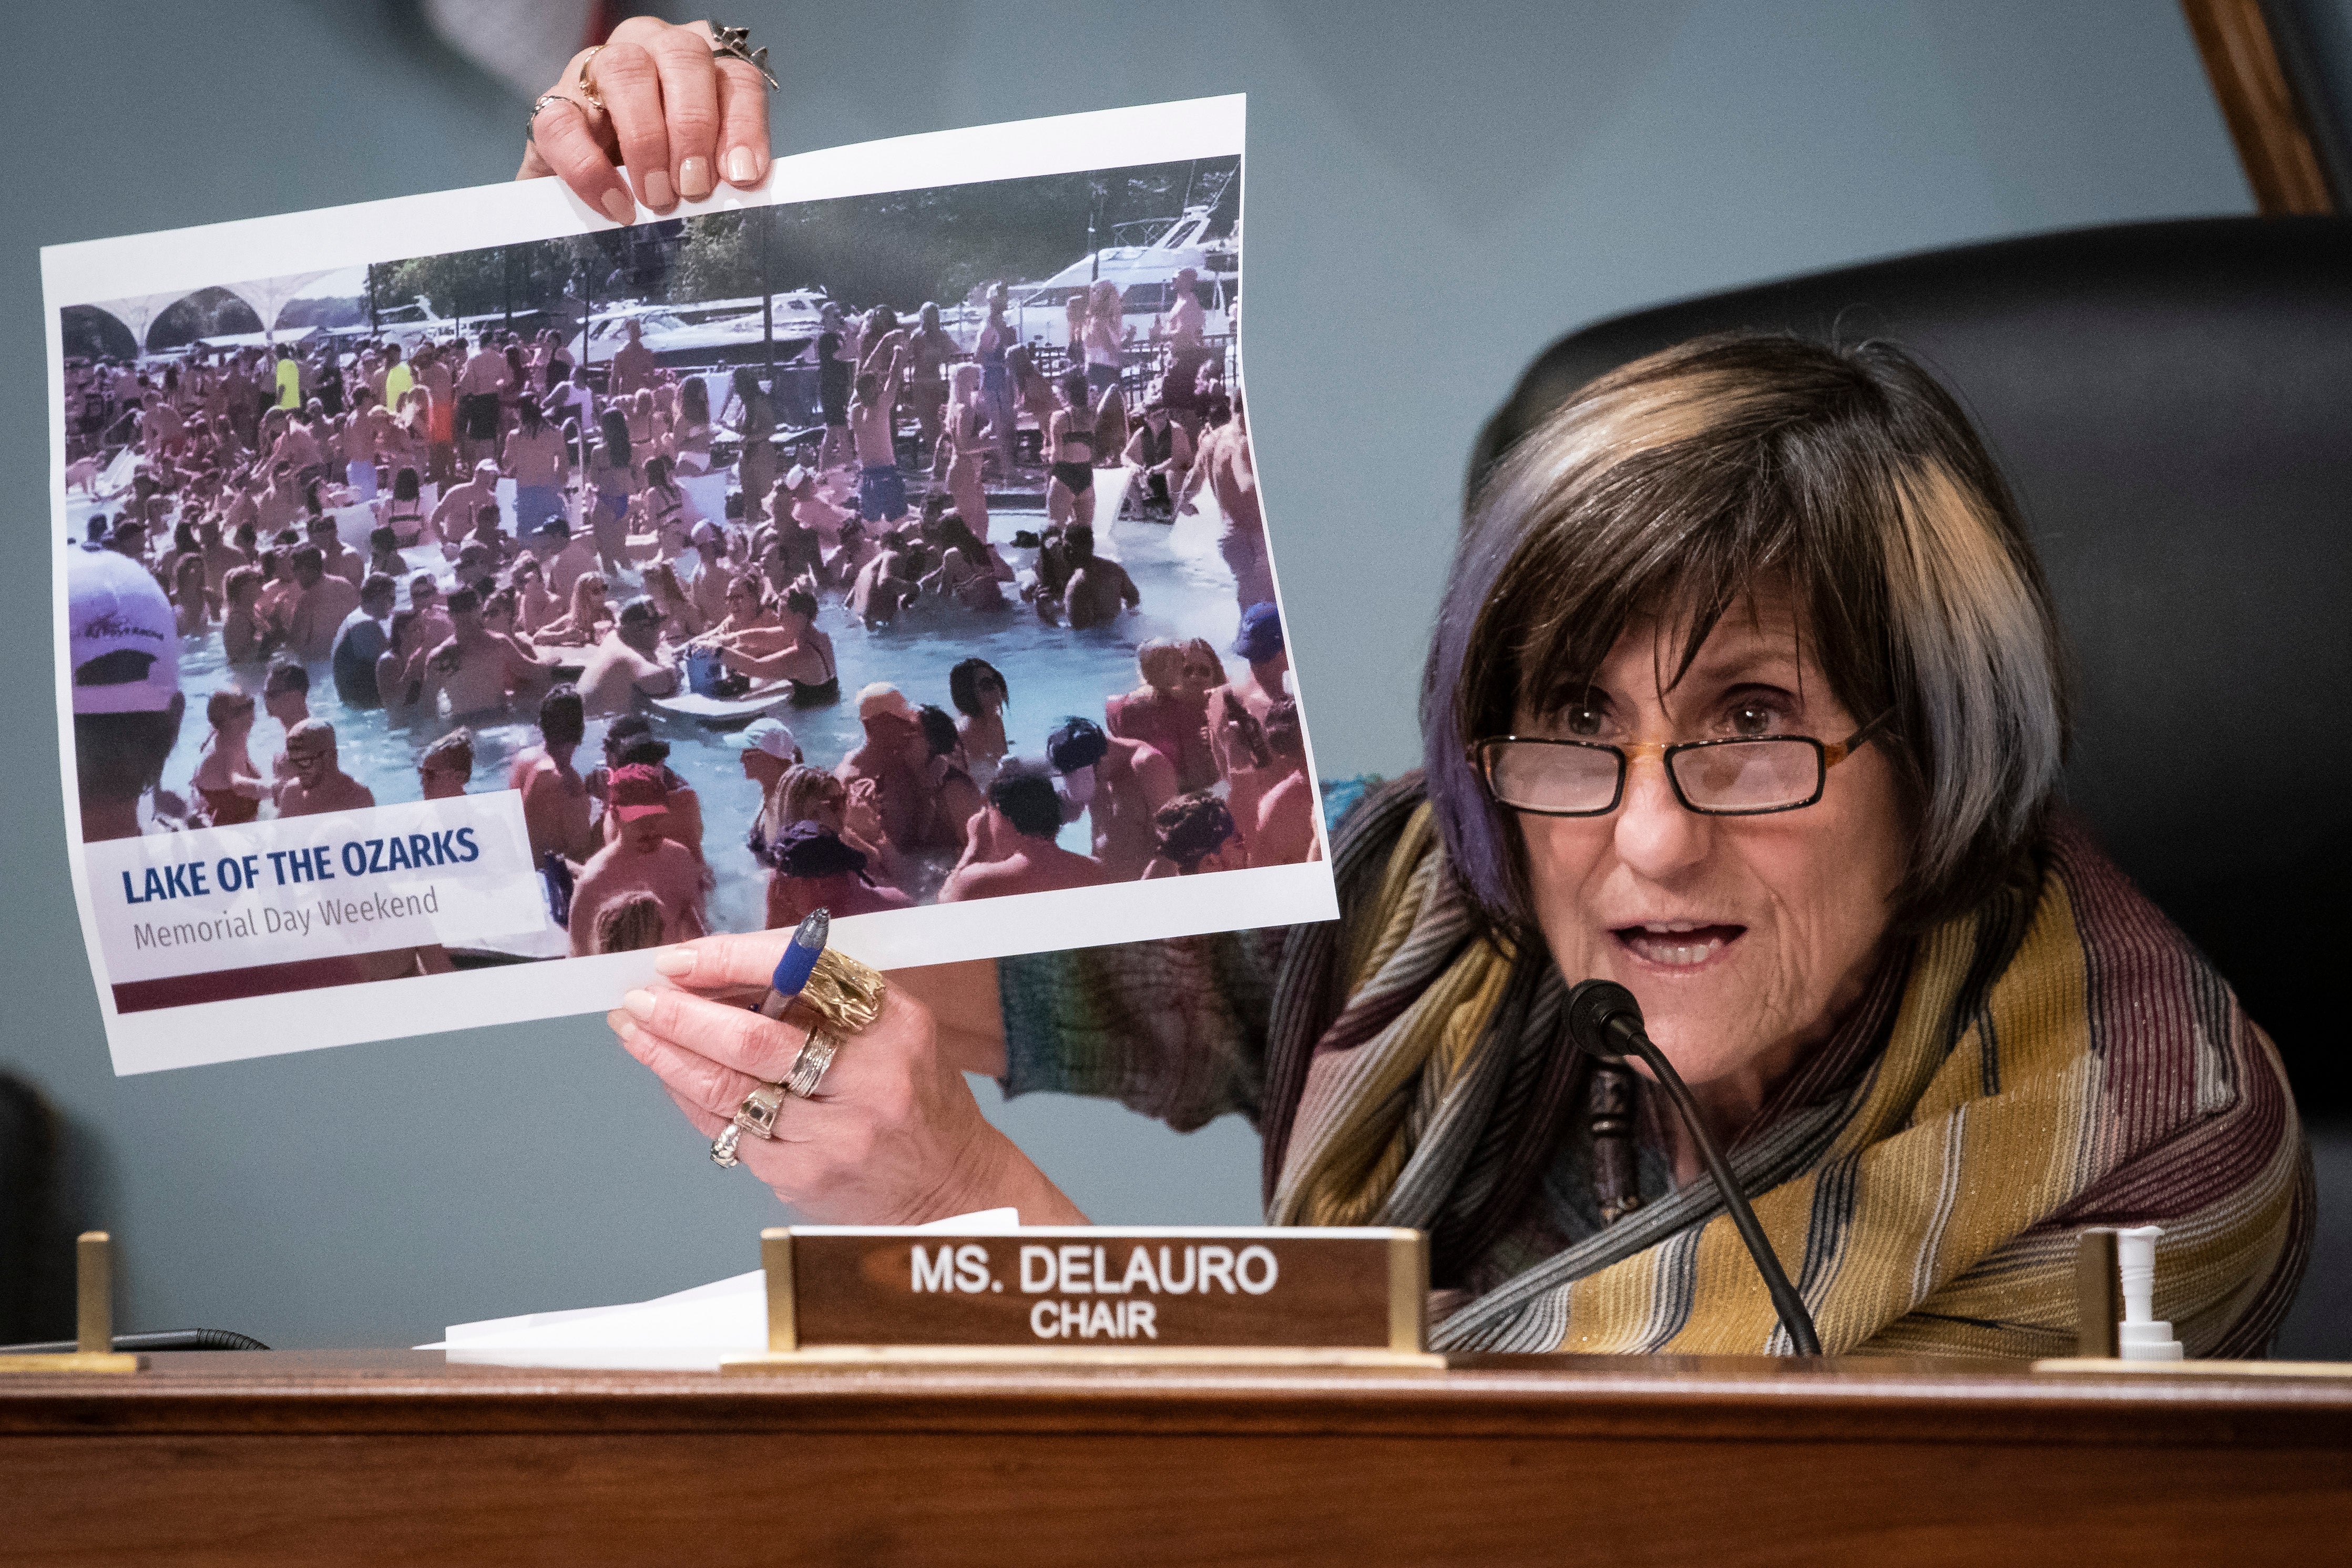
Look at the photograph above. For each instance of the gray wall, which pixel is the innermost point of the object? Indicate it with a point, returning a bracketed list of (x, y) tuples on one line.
[(1434, 192)]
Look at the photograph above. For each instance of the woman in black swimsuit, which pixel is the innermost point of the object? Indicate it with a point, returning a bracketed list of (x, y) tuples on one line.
[(1070, 496), (807, 652)]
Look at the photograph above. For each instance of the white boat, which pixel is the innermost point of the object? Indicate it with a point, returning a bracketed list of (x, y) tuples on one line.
[(1144, 266), (706, 332)]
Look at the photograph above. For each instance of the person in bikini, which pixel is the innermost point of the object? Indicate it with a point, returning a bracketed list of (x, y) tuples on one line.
[(805, 659), (232, 787), (1070, 456)]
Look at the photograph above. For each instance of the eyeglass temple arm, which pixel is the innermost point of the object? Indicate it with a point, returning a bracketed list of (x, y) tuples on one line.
[(1833, 754)]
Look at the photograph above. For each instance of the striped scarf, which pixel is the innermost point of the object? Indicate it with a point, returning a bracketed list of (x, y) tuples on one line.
[(2058, 1059)]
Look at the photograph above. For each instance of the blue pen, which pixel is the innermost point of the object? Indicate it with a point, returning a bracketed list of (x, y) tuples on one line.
[(792, 969)]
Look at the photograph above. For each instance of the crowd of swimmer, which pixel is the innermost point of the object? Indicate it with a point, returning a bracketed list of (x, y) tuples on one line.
[(244, 457)]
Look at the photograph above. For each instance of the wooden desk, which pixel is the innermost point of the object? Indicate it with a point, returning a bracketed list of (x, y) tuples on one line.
[(394, 1458)]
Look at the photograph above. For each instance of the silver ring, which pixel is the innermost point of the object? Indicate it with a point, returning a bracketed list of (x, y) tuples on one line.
[(757, 1114), (722, 1148), (734, 44), (531, 126), (809, 1067)]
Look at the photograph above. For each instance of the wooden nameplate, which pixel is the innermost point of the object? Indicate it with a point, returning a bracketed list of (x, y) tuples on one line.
[(1095, 1296)]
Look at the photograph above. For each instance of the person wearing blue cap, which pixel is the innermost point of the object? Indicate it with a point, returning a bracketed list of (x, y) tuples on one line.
[(1122, 783)]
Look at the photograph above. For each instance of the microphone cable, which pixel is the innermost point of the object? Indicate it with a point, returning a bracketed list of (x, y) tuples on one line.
[(1605, 1021)]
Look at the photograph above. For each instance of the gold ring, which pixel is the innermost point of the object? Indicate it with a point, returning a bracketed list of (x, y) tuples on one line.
[(588, 83), (847, 993)]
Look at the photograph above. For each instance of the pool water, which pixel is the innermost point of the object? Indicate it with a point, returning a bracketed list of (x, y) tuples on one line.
[(1051, 671)]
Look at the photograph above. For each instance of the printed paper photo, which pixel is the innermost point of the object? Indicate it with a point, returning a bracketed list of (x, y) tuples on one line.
[(459, 596)]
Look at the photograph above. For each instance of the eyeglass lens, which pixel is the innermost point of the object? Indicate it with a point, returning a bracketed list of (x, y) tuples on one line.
[(1737, 775)]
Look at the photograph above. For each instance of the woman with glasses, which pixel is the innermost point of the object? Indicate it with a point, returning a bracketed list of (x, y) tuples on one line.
[(1744, 694)]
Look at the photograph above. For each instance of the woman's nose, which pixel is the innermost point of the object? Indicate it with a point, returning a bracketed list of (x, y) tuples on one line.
[(1655, 836)]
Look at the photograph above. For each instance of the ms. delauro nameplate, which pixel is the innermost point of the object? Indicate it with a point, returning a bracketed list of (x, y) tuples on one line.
[(1094, 1294)]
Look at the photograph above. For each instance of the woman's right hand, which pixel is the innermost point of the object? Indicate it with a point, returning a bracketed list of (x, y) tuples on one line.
[(675, 116), (894, 1135)]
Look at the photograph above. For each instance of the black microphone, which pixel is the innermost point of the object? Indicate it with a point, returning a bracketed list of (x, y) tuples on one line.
[(1605, 1021)]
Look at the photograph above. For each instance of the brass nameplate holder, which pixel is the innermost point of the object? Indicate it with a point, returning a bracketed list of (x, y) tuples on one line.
[(1097, 1295), (93, 1318)]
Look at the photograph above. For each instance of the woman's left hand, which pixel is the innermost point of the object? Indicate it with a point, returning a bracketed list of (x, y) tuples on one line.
[(675, 116)]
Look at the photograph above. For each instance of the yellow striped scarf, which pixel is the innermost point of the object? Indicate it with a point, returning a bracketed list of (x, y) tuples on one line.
[(2071, 1062)]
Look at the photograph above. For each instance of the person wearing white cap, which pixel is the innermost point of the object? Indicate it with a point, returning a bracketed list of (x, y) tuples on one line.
[(453, 515), (894, 762), (768, 749), (124, 652)]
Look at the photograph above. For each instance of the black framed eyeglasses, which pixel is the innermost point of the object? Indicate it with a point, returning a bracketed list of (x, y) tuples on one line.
[(1743, 775)]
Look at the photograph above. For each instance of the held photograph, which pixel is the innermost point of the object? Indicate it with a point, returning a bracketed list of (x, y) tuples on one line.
[(880, 553)]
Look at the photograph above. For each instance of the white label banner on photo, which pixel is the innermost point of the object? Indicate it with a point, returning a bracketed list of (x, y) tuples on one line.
[(456, 872)]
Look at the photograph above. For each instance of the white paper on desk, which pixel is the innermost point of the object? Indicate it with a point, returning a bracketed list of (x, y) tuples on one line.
[(687, 1331)]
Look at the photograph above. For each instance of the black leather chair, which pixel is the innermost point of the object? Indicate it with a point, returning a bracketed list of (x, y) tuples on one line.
[(2173, 404)]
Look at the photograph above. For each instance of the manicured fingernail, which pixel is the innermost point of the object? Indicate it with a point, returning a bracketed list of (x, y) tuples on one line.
[(743, 167), (694, 178), (674, 962), (639, 1003), (619, 1022), (619, 206), (658, 193)]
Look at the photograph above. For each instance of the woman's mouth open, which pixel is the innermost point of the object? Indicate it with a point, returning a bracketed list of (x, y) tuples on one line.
[(1678, 945)]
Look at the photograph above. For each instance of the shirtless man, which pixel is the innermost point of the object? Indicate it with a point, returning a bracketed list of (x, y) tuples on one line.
[(320, 610), (478, 385), (1237, 712), (453, 515), (566, 559), (1196, 835), (555, 805), (1121, 784), (1224, 462), (471, 668), (624, 667), (1285, 830), (1021, 820), (337, 560), (1098, 588), (448, 766), (286, 697), (633, 363), (894, 756), (881, 488), (640, 859), (928, 350), (315, 784)]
